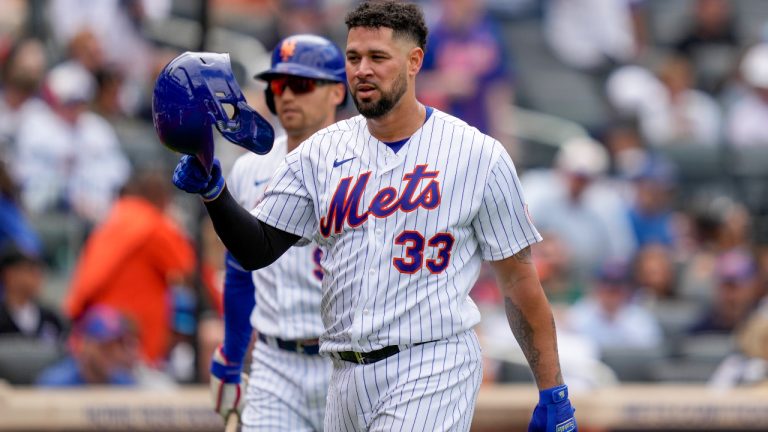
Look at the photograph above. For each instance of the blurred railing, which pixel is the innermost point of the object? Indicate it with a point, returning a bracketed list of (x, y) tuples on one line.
[(499, 408)]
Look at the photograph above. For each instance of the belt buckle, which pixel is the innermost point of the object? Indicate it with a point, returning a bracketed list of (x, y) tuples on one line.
[(299, 346), (359, 357)]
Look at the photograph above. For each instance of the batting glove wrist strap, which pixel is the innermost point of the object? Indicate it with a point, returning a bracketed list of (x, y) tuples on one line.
[(553, 395), (225, 371), (214, 189), (554, 412)]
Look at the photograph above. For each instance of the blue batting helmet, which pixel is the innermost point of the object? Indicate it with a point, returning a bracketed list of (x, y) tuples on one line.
[(189, 97), (307, 56)]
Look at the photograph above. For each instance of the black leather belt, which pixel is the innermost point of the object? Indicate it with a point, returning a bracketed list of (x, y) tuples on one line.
[(373, 356), (302, 346)]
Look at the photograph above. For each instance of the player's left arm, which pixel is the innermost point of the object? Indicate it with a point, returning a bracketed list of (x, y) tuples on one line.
[(505, 234), (530, 316)]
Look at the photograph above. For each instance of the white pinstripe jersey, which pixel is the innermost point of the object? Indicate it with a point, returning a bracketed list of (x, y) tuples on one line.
[(404, 233), (287, 291)]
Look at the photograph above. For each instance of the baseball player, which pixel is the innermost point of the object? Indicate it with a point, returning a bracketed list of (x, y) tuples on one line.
[(288, 379), (405, 201)]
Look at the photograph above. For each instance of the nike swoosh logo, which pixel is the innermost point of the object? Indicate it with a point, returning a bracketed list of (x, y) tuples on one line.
[(260, 182), (337, 163)]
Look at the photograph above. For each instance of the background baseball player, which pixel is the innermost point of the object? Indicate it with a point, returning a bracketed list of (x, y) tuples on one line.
[(288, 379), (406, 201)]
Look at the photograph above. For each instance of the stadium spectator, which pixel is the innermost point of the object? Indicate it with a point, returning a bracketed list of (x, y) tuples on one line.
[(466, 70), (103, 352), (118, 26), (595, 34), (15, 229), (709, 42), (749, 365), (85, 49), (575, 202), (683, 114), (13, 16), (711, 23), (632, 90), (67, 157), (720, 224), (626, 147), (653, 272), (651, 212), (21, 74), (736, 294), (552, 261), (21, 311), (299, 17), (132, 261), (108, 99), (749, 114), (610, 318)]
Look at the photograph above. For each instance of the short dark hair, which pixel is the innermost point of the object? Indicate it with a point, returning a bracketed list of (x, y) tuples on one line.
[(405, 19)]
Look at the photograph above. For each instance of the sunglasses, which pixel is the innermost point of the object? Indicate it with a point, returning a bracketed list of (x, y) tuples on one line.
[(298, 85)]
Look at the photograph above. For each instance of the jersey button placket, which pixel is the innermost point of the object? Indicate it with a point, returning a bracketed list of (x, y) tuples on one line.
[(388, 162)]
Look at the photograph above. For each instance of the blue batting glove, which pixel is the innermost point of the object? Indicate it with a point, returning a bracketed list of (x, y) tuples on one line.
[(554, 412), (226, 385), (190, 176)]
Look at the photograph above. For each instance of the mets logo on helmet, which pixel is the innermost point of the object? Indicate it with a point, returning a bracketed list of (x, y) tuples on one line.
[(287, 49)]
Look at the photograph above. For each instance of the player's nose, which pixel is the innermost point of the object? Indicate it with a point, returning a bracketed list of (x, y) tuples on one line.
[(287, 94), (364, 68)]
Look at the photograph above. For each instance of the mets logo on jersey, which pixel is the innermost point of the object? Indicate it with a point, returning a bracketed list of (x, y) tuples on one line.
[(287, 49), (345, 203)]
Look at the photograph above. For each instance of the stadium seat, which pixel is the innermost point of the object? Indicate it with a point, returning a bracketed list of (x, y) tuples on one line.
[(22, 359), (750, 19), (707, 348), (675, 318), (666, 19), (633, 364)]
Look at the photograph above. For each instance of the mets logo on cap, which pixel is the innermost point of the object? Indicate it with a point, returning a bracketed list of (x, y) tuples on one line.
[(287, 49)]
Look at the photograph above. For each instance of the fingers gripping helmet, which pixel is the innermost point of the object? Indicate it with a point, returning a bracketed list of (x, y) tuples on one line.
[(307, 56), (189, 97)]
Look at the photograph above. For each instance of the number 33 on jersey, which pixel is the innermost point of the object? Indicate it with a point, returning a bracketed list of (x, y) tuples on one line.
[(403, 232), (345, 204)]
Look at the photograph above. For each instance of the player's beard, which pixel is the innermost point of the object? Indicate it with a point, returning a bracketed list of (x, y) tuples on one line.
[(387, 101)]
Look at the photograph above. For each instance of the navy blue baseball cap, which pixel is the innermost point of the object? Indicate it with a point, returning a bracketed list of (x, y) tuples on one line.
[(308, 56), (103, 324)]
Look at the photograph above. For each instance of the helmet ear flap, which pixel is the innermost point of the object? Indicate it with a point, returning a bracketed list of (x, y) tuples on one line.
[(190, 96)]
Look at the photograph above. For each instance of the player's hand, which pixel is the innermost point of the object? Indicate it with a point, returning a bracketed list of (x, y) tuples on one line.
[(190, 176), (227, 386), (553, 412)]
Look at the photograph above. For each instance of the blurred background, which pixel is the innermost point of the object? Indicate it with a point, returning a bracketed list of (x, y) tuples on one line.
[(639, 129)]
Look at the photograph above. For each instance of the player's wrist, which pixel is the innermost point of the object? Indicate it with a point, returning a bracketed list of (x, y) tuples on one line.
[(225, 370), (227, 374), (214, 189), (553, 395)]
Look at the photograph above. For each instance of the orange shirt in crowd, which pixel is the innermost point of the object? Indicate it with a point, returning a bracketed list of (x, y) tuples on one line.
[(127, 263)]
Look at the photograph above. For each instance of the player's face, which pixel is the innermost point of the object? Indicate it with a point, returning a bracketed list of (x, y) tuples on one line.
[(378, 69), (304, 105)]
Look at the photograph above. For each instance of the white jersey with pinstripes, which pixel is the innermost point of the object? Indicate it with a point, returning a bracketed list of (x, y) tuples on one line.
[(403, 232), (288, 291)]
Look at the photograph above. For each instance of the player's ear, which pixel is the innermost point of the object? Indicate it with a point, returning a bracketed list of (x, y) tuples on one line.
[(415, 60), (338, 91)]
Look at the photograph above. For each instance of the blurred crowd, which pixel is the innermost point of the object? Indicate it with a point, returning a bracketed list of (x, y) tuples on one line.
[(637, 127)]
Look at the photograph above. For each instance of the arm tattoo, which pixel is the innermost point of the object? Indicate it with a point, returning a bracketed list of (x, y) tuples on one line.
[(524, 256), (523, 332)]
